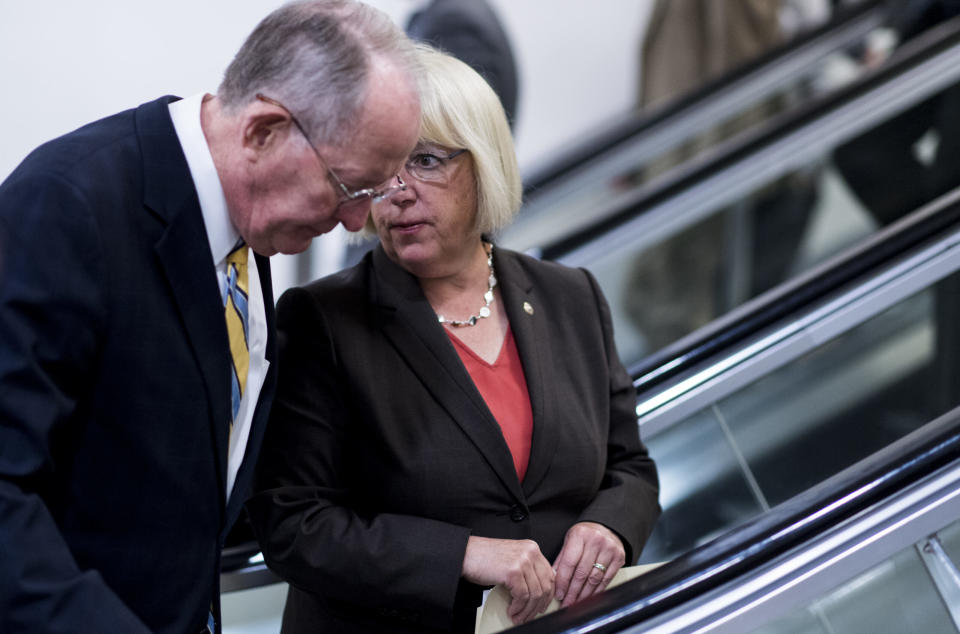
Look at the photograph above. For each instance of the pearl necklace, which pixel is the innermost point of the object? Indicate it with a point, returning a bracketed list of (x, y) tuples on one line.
[(487, 299)]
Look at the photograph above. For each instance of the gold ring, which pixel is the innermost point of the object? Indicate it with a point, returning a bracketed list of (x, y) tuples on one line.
[(599, 566)]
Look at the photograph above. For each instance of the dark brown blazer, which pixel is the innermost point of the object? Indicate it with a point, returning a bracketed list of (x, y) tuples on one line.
[(381, 457)]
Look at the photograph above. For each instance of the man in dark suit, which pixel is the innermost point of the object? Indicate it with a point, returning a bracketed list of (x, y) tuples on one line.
[(136, 349), (470, 31)]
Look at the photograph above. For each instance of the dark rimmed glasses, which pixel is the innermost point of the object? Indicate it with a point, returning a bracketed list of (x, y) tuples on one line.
[(348, 196)]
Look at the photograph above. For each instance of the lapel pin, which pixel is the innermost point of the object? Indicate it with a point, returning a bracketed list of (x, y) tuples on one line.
[(527, 308)]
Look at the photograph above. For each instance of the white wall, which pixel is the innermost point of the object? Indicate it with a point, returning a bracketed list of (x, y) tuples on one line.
[(578, 67), (66, 63)]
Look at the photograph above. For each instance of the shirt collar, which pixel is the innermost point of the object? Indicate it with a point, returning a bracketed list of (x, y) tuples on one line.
[(221, 233)]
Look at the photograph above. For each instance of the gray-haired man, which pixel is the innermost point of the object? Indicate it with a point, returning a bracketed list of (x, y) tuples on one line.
[(136, 314)]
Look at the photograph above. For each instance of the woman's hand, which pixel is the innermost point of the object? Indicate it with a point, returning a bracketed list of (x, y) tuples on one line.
[(516, 564), (586, 544)]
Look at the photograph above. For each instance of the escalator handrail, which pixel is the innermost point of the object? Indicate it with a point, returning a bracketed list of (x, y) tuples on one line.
[(625, 129), (912, 54), (759, 541), (785, 302)]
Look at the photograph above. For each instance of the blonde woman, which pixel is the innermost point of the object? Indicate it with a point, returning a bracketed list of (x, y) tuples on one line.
[(450, 415)]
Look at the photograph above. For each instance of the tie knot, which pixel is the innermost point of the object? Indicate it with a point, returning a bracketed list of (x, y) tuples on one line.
[(238, 256)]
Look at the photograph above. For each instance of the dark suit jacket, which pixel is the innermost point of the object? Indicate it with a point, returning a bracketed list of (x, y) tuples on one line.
[(114, 387), (381, 457), (470, 31)]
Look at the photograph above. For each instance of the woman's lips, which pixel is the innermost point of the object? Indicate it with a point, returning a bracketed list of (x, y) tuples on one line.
[(408, 227)]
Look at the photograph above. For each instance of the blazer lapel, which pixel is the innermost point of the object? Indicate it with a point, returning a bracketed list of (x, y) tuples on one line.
[(184, 254), (404, 311), (531, 330)]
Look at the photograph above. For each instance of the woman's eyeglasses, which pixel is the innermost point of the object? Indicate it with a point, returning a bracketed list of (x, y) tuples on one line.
[(430, 164)]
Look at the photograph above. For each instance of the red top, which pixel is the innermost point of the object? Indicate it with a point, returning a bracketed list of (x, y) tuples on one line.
[(504, 388)]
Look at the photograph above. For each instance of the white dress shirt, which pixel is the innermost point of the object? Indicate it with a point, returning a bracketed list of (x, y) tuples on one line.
[(223, 236)]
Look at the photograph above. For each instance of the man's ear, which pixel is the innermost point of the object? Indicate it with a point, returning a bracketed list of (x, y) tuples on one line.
[(263, 128)]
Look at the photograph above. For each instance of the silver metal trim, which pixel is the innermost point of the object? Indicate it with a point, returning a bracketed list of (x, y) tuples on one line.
[(822, 564), (944, 574), (688, 394)]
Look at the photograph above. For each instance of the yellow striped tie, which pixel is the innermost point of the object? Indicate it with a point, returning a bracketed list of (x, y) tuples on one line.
[(236, 312)]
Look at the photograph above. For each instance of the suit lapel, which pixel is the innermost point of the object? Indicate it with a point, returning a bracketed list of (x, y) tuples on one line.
[(530, 325), (411, 326), (183, 251)]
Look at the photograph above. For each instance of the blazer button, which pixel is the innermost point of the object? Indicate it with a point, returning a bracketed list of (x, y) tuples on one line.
[(517, 514)]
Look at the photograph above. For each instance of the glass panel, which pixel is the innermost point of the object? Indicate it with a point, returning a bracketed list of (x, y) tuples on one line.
[(839, 403), (895, 596), (702, 488), (670, 281), (808, 420), (801, 621), (851, 397)]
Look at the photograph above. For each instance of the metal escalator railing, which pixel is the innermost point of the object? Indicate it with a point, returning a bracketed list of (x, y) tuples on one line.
[(762, 211), (893, 550), (856, 266), (592, 168), (931, 452), (854, 369), (918, 69)]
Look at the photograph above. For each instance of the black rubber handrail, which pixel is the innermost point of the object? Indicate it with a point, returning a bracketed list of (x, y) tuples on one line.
[(624, 130), (783, 528)]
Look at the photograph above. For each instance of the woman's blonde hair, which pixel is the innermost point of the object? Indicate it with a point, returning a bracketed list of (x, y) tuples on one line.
[(459, 110)]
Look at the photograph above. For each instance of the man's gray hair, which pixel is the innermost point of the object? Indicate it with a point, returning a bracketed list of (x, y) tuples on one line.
[(315, 57)]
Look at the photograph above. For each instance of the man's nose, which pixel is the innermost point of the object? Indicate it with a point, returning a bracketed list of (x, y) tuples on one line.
[(354, 216)]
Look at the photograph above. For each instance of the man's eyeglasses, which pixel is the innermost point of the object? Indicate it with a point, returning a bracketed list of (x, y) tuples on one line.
[(430, 164), (348, 196)]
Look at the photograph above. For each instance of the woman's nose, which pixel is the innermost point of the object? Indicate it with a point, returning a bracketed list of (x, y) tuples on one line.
[(406, 194)]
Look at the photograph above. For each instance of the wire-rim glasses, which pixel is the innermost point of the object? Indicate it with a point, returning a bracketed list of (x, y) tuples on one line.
[(429, 164), (348, 195)]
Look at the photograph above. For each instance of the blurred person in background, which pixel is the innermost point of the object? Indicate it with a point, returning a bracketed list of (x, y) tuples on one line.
[(683, 283), (471, 31), (913, 157)]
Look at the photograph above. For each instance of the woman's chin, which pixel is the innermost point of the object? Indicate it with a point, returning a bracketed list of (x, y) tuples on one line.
[(416, 258)]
